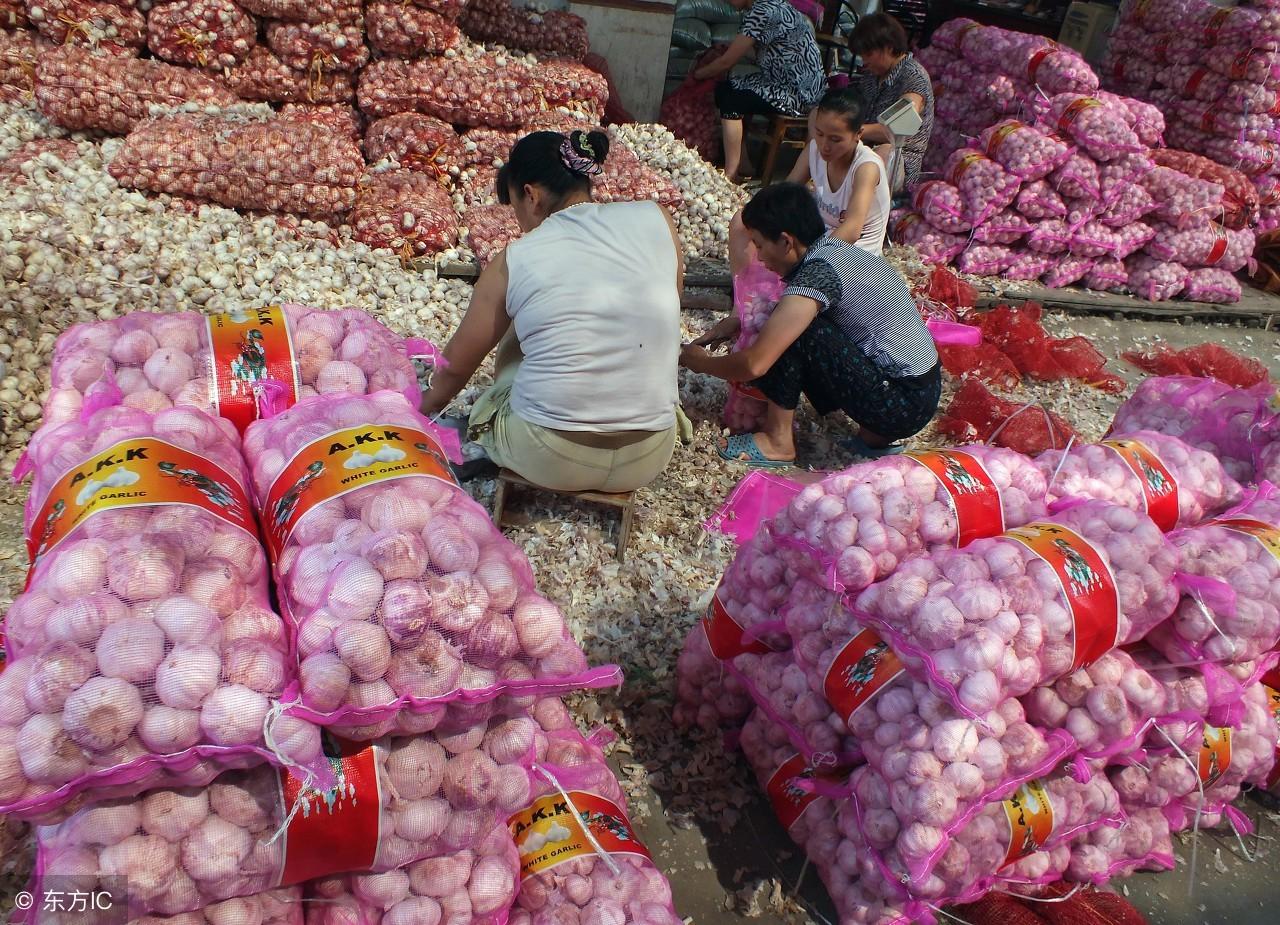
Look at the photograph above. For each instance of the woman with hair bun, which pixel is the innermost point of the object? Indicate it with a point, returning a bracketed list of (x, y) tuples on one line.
[(584, 310)]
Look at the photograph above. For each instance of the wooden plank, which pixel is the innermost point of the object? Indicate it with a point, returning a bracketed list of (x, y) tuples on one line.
[(1254, 304)]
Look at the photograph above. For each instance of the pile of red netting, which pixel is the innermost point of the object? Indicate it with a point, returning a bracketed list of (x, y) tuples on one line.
[(1207, 360), (975, 415)]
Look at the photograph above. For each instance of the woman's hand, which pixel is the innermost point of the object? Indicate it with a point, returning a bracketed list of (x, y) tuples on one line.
[(693, 356), (722, 333)]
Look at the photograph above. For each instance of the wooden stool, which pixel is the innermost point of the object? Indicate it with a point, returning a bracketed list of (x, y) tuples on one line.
[(624, 500), (781, 133)]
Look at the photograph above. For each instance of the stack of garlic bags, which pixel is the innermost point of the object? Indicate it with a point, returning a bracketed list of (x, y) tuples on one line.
[(145, 656), (896, 630), (1044, 176)]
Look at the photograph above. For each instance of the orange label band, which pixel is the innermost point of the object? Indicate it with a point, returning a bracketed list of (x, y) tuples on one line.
[(1264, 533), (553, 830), (336, 829), (1030, 815), (1159, 487), (974, 495), (864, 667), (1072, 112), (248, 348), (133, 473), (921, 191), (341, 462), (1215, 754), (962, 167), (725, 634), (999, 136), (1214, 26), (789, 801), (1087, 584)]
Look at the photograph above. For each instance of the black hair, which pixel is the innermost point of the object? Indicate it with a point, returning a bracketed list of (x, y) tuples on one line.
[(847, 103), (879, 30), (785, 207), (536, 159)]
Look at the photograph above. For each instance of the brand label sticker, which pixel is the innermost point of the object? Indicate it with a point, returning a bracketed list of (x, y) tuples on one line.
[(1215, 754), (725, 634), (247, 348), (549, 832), (343, 461), (1159, 487), (1087, 584), (1030, 815), (789, 802), (864, 667), (975, 498)]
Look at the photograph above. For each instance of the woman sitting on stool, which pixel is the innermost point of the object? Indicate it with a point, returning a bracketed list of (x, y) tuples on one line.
[(585, 313), (846, 334)]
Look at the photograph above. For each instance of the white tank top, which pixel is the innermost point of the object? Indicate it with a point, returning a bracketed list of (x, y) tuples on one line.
[(834, 203), (592, 295)]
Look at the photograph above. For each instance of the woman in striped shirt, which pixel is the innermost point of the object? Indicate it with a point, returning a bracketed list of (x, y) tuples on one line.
[(846, 334)]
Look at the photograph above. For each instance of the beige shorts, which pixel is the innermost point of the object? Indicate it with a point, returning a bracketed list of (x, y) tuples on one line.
[(559, 459)]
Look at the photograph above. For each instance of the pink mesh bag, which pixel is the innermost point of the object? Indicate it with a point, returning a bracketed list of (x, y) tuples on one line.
[(218, 363), (476, 885), (1023, 150), (144, 651), (391, 803), (579, 854), (1006, 614), (1176, 485), (1038, 200), (1106, 854), (933, 245), (756, 291), (405, 601)]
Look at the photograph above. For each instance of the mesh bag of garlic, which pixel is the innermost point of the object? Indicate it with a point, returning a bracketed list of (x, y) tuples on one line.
[(79, 89), (553, 32), (144, 651), (413, 141), (397, 28), (476, 886), (276, 165), (580, 858), (201, 33), (18, 53), (404, 595), (338, 117), (13, 14), (406, 211), (321, 47), (299, 10), (213, 362), (263, 76), (489, 230), (436, 795), (113, 28)]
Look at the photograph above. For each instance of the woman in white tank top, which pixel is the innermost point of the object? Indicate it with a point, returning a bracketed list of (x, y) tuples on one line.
[(585, 312), (848, 179)]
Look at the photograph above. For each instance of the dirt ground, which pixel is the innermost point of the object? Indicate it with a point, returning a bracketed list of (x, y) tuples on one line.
[(727, 858)]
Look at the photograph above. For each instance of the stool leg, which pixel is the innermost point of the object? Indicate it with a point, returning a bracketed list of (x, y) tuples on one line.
[(499, 502), (776, 134), (624, 532)]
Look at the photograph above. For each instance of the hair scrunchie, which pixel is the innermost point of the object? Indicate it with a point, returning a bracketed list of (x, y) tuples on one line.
[(576, 162)]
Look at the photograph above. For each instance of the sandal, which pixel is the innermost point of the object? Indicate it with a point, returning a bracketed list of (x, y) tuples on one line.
[(742, 448), (859, 447)]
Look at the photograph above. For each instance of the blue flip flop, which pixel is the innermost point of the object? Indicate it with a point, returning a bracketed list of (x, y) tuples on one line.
[(745, 444), (858, 447)]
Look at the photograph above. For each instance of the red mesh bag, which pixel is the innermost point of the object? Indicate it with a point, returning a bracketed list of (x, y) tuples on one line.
[(975, 415), (690, 111), (201, 33), (614, 112), (302, 10), (264, 77), (1017, 331), (999, 909), (18, 53), (80, 89), (320, 47), (396, 28), (406, 211), (1206, 360), (1089, 907), (284, 165), (487, 147), (1240, 200), (489, 230), (946, 288), (341, 119), (13, 14), (1078, 359), (117, 29), (554, 32), (417, 142), (11, 168), (449, 9), (985, 362)]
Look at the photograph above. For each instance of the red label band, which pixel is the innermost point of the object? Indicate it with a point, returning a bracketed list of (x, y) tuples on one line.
[(1072, 112), (1161, 52), (747, 391), (963, 165), (999, 136), (1213, 28), (134, 473), (788, 801), (974, 495), (248, 348), (1193, 82), (863, 668), (725, 635), (1240, 65), (1215, 755), (338, 829), (343, 461), (1219, 249), (921, 190), (1209, 122), (1159, 487), (1264, 533), (1087, 584), (1034, 64)]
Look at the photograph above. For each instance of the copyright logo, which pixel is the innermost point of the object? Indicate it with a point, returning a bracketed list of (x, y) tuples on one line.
[(23, 901)]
